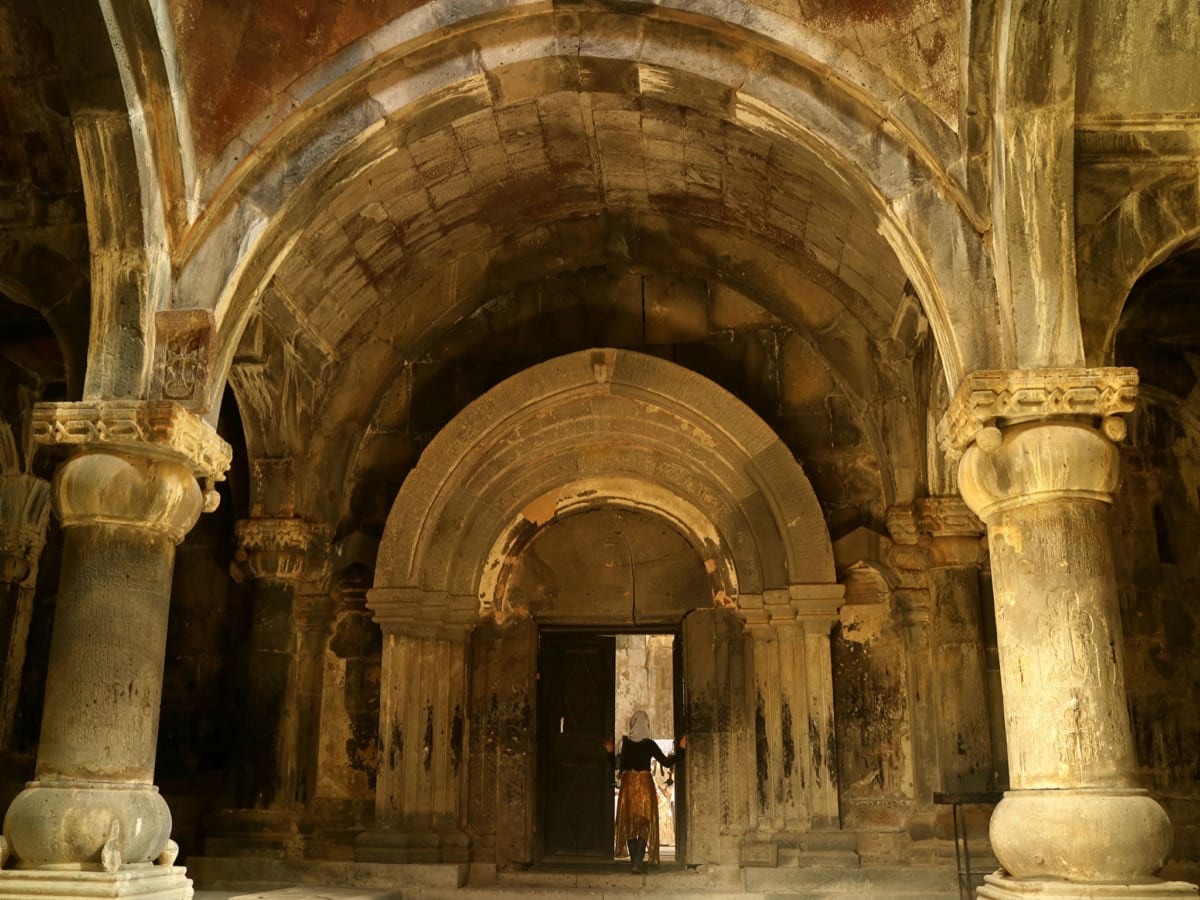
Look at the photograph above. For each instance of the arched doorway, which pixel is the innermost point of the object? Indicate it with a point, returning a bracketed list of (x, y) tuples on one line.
[(560, 452), (608, 589)]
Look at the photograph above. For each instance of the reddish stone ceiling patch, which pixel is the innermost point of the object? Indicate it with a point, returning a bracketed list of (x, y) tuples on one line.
[(238, 56)]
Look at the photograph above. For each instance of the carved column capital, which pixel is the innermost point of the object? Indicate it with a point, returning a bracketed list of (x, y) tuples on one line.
[(113, 488), (1039, 462), (953, 534), (415, 612), (815, 605), (24, 514), (908, 554), (283, 549), (156, 429), (989, 400)]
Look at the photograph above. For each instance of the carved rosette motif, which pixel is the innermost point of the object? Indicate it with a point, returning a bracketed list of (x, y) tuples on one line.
[(283, 549), (154, 428), (988, 400)]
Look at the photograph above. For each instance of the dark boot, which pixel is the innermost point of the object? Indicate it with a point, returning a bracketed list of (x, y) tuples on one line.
[(637, 853)]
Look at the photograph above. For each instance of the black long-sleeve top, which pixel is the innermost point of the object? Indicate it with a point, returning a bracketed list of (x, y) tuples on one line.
[(635, 756)]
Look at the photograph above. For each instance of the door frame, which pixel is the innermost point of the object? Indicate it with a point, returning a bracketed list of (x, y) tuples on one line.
[(678, 728)]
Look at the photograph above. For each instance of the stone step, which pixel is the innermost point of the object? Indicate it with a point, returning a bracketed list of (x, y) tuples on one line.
[(931, 883), (322, 893)]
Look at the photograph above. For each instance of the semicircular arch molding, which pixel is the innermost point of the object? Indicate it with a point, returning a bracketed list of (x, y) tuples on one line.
[(604, 428), (1146, 228), (900, 165)]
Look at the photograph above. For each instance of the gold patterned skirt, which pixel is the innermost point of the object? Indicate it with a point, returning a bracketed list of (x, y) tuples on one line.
[(637, 814)]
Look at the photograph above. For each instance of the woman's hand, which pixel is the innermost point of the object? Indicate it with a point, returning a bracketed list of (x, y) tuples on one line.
[(683, 742), (609, 746)]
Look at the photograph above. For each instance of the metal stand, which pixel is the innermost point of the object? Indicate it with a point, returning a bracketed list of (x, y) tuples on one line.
[(962, 849)]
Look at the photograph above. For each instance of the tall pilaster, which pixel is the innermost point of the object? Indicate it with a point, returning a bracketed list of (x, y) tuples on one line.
[(420, 806), (953, 537), (24, 515), (796, 769), (914, 612), (287, 558), (92, 823), (1039, 466)]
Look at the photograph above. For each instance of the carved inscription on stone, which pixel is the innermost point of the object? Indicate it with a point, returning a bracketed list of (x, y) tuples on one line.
[(1073, 654)]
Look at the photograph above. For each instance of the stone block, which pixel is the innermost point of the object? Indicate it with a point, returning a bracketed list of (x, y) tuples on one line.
[(764, 853), (676, 310), (149, 883), (733, 310)]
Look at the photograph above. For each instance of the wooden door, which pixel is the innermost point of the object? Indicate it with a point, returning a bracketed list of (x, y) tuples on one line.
[(578, 680)]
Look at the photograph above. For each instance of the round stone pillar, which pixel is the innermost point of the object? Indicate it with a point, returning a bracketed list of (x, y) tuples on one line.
[(92, 823), (1043, 484)]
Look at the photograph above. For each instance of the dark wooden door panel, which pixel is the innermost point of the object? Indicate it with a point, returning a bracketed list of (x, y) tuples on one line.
[(578, 681)]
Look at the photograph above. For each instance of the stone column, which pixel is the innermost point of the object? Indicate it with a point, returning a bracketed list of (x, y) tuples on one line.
[(792, 695), (24, 515), (287, 558), (1041, 474), (420, 792), (92, 823)]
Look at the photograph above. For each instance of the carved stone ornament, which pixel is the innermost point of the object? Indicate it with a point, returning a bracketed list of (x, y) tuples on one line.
[(283, 549), (24, 514), (947, 517), (143, 427), (184, 351), (902, 524), (987, 400)]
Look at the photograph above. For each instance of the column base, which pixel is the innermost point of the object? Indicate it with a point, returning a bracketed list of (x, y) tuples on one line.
[(412, 847), (1000, 887), (148, 882)]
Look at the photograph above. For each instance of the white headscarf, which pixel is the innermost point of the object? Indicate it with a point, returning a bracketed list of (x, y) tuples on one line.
[(639, 726)]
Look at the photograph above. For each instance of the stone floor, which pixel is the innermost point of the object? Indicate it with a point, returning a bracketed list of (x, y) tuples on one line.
[(439, 883)]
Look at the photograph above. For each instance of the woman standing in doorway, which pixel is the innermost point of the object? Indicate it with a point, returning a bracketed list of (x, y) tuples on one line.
[(637, 803)]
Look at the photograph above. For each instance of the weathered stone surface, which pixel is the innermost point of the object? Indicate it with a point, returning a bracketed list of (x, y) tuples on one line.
[(336, 230)]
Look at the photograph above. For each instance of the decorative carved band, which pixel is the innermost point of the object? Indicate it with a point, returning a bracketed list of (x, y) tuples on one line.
[(987, 399), (157, 427)]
